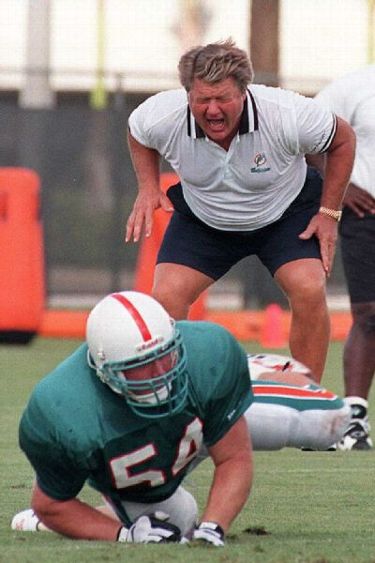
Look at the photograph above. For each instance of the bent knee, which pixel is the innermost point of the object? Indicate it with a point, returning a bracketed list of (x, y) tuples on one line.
[(308, 293), (304, 280), (176, 287), (364, 317)]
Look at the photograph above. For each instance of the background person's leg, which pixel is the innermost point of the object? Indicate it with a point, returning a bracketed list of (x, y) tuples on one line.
[(357, 244), (359, 351), (359, 369)]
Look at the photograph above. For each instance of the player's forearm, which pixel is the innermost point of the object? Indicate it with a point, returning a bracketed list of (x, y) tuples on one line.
[(229, 491), (339, 165), (146, 163), (77, 520)]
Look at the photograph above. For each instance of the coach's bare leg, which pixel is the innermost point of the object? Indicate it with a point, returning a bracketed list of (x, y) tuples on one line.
[(304, 283), (359, 351), (176, 287)]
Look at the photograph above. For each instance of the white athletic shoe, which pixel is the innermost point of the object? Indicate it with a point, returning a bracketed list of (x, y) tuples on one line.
[(357, 436), (25, 521)]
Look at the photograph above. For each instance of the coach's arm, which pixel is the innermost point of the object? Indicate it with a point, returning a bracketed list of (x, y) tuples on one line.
[(150, 196)]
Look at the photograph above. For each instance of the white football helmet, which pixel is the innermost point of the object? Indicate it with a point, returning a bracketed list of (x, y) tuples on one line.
[(128, 330)]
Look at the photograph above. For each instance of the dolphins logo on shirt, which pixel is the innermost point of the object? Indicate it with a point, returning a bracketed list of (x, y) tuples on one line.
[(260, 160)]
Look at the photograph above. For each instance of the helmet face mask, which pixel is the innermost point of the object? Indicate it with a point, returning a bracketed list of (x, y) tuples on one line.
[(146, 367), (157, 396)]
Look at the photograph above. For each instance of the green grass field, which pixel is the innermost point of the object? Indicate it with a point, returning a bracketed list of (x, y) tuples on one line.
[(304, 506)]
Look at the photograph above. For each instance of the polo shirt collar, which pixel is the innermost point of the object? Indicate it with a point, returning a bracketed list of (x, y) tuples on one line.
[(248, 122)]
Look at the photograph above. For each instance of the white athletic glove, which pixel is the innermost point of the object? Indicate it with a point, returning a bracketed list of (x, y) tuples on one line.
[(210, 532), (150, 529)]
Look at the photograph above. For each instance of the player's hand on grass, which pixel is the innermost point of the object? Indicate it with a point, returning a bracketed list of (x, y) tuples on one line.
[(150, 529), (210, 533)]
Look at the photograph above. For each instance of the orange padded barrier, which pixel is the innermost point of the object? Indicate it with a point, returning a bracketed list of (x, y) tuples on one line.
[(150, 247), (22, 263), (64, 323), (247, 325), (251, 325)]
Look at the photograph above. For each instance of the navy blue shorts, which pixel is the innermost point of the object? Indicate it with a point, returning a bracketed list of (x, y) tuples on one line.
[(357, 236), (190, 242)]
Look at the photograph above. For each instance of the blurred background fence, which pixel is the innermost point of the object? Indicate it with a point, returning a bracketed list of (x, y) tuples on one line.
[(70, 74), (88, 188)]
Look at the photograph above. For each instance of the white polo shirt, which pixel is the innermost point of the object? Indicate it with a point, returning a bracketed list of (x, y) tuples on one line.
[(352, 97), (252, 184)]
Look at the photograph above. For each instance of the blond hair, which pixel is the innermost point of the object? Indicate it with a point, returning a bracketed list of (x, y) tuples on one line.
[(215, 62)]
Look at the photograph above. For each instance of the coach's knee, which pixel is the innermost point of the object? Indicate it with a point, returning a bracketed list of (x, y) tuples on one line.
[(308, 294), (172, 294), (304, 283)]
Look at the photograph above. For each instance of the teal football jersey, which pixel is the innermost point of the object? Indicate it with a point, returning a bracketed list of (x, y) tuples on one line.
[(75, 429)]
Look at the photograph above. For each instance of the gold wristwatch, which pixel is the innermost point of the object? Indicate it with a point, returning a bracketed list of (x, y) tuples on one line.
[(334, 213)]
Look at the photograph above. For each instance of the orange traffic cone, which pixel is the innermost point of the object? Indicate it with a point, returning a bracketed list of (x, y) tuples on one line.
[(272, 333)]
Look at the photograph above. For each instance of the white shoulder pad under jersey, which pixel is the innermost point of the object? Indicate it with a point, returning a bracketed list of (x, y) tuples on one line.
[(269, 363)]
